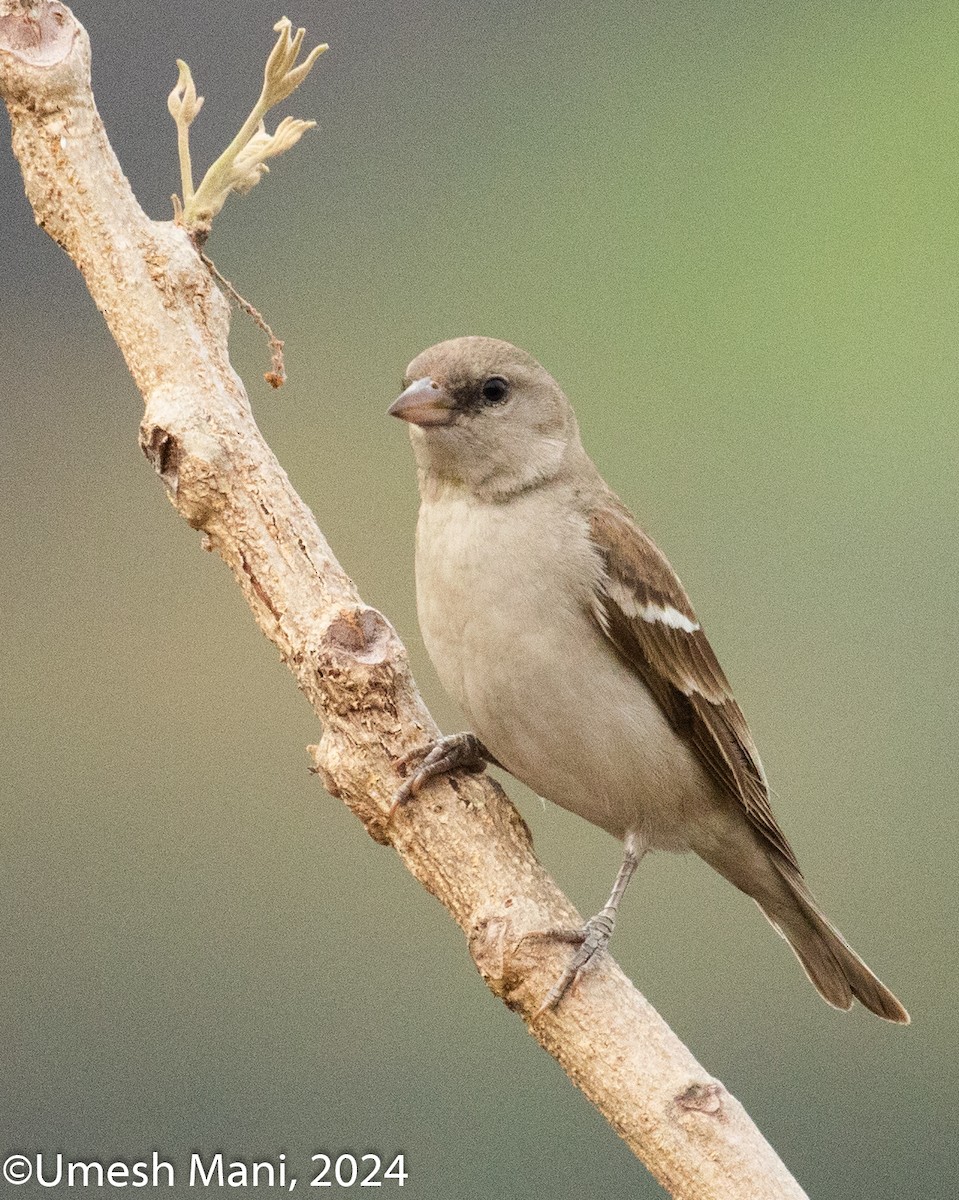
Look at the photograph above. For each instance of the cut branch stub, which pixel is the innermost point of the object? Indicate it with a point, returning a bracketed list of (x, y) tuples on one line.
[(40, 36)]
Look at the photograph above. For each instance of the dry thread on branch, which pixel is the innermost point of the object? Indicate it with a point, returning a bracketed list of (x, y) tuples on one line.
[(276, 376)]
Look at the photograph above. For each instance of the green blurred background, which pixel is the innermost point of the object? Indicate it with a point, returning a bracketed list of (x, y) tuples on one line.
[(730, 230)]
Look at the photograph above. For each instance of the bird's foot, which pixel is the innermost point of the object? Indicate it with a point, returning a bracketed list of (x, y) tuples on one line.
[(592, 938), (457, 752)]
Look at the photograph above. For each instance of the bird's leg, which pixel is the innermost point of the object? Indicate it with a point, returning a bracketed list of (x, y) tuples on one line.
[(457, 752), (598, 930)]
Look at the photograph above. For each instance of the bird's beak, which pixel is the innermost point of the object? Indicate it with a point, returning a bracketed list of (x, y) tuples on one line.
[(424, 402)]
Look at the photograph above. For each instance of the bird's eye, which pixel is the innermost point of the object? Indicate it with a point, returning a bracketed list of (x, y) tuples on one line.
[(494, 390)]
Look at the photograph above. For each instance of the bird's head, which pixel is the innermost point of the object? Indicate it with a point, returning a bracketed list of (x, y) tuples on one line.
[(486, 416)]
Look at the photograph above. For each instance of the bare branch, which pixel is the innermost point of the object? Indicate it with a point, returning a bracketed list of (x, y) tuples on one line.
[(462, 838)]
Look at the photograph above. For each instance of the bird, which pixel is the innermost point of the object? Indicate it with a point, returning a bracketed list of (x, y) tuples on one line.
[(569, 643)]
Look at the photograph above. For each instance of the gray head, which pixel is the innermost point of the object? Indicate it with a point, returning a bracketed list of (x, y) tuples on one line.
[(485, 415)]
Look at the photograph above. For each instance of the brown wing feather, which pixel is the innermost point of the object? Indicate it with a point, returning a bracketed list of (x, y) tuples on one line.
[(677, 662)]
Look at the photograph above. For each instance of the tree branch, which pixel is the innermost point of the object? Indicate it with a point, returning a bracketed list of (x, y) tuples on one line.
[(462, 838)]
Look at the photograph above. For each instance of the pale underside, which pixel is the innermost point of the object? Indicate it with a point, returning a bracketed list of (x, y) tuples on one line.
[(539, 681)]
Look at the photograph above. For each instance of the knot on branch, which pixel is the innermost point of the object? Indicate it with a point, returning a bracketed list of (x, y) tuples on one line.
[(362, 633), (507, 948), (41, 37), (187, 460), (358, 664), (163, 450), (703, 1098), (355, 661), (493, 939)]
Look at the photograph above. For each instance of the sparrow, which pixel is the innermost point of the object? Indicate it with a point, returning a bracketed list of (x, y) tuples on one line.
[(566, 638)]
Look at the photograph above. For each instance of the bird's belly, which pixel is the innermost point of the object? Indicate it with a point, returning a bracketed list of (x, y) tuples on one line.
[(587, 735), (551, 698)]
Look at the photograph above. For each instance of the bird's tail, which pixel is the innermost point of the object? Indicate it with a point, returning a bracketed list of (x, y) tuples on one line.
[(834, 968)]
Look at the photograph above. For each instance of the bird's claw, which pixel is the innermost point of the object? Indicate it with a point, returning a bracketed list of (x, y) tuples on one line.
[(457, 752), (592, 938), (418, 753)]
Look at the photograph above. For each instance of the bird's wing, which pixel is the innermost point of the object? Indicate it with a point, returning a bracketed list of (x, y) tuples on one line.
[(643, 609)]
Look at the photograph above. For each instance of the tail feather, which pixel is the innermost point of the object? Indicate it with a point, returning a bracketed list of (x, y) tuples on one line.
[(834, 968)]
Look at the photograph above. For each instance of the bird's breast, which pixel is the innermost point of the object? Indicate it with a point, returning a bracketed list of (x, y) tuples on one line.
[(499, 586), (505, 595)]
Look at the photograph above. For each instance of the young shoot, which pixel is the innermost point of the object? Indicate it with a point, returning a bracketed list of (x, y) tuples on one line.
[(243, 163)]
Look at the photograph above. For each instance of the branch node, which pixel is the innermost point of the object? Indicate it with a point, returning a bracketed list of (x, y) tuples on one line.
[(362, 633), (704, 1098), (163, 451), (499, 942), (188, 460)]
